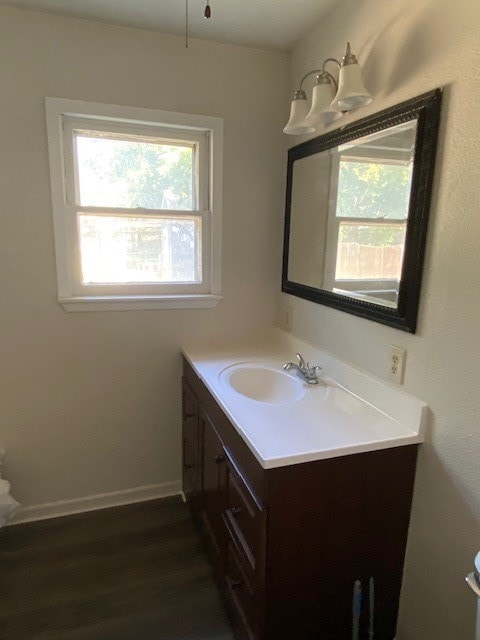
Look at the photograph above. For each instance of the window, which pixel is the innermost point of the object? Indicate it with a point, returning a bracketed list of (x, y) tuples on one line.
[(369, 223), (137, 206)]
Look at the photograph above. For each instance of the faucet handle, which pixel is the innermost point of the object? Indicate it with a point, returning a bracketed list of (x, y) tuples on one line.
[(311, 372), (303, 365)]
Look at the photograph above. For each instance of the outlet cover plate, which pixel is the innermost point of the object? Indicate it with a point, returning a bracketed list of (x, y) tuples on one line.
[(396, 367)]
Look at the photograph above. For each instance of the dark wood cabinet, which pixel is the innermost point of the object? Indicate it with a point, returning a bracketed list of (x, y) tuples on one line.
[(212, 484), (191, 472), (288, 543)]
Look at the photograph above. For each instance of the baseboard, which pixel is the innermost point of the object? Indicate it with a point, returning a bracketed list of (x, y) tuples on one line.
[(92, 503)]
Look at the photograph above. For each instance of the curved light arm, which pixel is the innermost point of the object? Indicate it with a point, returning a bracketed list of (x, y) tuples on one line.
[(307, 75), (322, 71), (331, 60)]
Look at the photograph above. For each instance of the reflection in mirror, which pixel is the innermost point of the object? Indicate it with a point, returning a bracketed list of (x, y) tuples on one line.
[(308, 228), (356, 213), (349, 213)]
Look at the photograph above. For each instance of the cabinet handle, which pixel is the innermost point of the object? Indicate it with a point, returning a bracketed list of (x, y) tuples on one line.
[(236, 584), (220, 458), (236, 511)]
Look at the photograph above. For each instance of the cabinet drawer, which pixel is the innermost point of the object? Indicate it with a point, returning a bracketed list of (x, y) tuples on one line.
[(240, 591), (243, 515)]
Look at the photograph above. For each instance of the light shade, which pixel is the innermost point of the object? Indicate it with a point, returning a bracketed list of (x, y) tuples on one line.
[(351, 90), (330, 115), (296, 124), (322, 96)]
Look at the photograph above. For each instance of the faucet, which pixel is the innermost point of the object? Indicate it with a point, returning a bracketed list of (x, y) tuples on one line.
[(304, 370)]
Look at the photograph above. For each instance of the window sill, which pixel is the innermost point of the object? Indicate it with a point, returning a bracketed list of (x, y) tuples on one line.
[(139, 303)]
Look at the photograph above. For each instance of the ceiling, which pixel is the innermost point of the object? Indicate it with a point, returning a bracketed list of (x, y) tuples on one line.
[(267, 24)]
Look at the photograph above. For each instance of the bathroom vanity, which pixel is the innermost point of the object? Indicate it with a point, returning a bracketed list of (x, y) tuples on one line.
[(290, 529)]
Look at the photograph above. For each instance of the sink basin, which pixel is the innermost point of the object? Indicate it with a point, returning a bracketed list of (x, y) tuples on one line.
[(263, 382)]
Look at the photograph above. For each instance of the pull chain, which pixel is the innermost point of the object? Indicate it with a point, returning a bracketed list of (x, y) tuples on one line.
[(207, 14)]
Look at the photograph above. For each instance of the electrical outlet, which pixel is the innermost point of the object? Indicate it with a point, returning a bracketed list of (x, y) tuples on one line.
[(396, 369)]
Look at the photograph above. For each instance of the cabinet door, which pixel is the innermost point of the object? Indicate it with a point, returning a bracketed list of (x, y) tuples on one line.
[(190, 446), (213, 483)]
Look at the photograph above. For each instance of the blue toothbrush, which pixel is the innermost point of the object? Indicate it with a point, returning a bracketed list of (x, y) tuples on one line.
[(356, 608)]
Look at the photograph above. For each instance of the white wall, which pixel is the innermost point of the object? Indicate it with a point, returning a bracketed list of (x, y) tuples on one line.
[(407, 48), (90, 402)]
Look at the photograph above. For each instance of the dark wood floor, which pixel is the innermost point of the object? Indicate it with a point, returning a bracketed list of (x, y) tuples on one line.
[(130, 573)]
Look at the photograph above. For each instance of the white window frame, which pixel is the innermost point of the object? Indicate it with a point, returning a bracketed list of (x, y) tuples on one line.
[(65, 116), (334, 221)]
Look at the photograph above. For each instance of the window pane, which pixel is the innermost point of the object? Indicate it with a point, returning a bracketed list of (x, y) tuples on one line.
[(373, 190), (116, 249), (116, 172), (370, 251)]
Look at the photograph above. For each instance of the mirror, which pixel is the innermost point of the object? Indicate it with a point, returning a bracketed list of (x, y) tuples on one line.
[(356, 213)]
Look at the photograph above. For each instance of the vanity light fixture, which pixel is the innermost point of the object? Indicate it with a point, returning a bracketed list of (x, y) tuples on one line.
[(329, 99)]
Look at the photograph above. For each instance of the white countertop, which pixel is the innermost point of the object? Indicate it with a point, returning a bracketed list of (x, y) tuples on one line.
[(348, 412)]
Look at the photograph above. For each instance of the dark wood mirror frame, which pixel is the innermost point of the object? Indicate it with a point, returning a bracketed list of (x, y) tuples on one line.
[(426, 110)]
